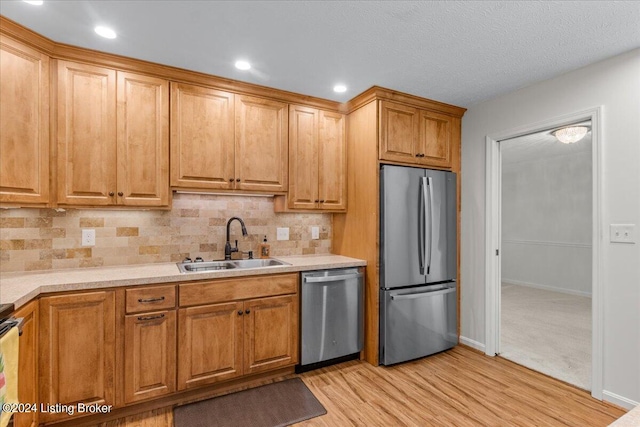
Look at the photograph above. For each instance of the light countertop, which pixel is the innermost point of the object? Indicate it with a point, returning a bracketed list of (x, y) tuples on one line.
[(20, 288)]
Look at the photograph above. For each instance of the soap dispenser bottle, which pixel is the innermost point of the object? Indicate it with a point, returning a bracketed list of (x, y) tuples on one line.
[(264, 248)]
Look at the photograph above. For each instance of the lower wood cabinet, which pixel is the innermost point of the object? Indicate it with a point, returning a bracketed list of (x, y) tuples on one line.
[(77, 351), (125, 346), (28, 364), (210, 343), (270, 333), (219, 342), (150, 355)]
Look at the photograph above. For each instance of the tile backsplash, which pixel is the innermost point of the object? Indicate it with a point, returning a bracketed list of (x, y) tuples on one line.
[(44, 239)]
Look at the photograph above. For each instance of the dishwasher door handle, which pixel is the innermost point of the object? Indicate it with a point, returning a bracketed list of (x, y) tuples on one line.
[(422, 294), (324, 279)]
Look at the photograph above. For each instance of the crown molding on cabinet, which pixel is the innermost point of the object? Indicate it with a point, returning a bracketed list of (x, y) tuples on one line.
[(67, 52)]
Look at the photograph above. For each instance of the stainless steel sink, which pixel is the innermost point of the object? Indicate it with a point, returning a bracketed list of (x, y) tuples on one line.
[(257, 263), (194, 267)]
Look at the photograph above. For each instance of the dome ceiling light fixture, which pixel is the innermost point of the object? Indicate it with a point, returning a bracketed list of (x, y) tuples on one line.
[(570, 134)]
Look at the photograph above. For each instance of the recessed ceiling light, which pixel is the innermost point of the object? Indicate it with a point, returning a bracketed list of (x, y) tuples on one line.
[(34, 2), (105, 32), (339, 88), (243, 65)]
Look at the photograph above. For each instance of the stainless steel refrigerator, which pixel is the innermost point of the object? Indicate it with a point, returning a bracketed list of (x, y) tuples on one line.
[(418, 260)]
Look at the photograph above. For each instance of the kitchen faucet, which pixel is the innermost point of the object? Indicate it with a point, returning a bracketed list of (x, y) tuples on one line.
[(227, 246)]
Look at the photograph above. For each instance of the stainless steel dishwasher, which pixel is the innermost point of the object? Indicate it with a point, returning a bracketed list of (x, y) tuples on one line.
[(332, 315)]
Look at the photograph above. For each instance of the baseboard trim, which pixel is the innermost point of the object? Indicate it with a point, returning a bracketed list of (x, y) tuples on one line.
[(616, 399), (546, 288), (473, 344)]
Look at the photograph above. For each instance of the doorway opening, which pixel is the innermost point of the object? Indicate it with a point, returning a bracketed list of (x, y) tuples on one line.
[(545, 286), (500, 250)]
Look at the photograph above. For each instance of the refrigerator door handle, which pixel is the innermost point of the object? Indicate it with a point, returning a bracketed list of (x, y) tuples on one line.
[(430, 241), (422, 294), (422, 209)]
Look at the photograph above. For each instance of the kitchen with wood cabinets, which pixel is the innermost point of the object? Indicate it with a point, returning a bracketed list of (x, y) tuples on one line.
[(126, 133), (122, 175)]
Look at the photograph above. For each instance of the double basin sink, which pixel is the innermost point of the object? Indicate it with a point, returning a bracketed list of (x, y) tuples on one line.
[(194, 267)]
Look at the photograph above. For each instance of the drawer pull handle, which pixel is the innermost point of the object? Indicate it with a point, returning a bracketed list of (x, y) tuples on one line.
[(146, 301), (159, 316)]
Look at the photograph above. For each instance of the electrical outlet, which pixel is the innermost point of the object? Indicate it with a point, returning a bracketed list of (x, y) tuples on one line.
[(315, 233), (622, 233), (282, 233), (88, 237)]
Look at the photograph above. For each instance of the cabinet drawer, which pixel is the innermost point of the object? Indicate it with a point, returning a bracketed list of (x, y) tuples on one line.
[(237, 289), (150, 298)]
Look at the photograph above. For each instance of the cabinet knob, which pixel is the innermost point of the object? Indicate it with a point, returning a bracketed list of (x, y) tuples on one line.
[(239, 312), (418, 155), (111, 193), (247, 311), (321, 201), (230, 179), (316, 201), (237, 179), (120, 193), (421, 154)]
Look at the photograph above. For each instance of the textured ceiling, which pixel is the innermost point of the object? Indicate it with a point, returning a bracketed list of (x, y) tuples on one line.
[(459, 52), (540, 146)]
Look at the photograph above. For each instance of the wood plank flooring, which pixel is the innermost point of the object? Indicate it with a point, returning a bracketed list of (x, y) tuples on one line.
[(459, 388)]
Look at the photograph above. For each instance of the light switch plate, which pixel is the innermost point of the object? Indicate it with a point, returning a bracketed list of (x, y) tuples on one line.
[(315, 233), (282, 233), (88, 237), (622, 233)]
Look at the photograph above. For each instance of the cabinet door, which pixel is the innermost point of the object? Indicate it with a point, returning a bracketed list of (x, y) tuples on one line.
[(143, 140), (210, 343), (303, 157), (435, 139), (398, 132), (270, 333), (86, 135), (202, 138), (332, 162), (24, 139), (77, 354), (150, 355), (261, 145), (28, 364)]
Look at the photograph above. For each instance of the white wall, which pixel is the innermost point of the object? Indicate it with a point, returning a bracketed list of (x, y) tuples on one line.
[(613, 84), (546, 219)]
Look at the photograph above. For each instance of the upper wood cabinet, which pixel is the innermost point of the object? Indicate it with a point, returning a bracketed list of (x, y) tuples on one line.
[(77, 350), (202, 138), (317, 160), (261, 144), (225, 141), (24, 124), (112, 137), (412, 135)]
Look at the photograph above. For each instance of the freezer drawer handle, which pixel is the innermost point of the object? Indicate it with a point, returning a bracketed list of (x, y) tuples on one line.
[(422, 294), (332, 278)]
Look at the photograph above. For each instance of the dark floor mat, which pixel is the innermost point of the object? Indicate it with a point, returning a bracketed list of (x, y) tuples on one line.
[(278, 404)]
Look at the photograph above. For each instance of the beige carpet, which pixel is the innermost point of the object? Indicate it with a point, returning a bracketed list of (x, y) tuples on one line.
[(549, 332)]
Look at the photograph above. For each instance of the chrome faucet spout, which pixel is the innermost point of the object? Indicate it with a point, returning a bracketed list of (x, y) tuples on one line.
[(227, 246)]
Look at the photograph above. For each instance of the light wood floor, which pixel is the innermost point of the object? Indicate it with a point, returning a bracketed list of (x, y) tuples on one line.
[(459, 388)]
